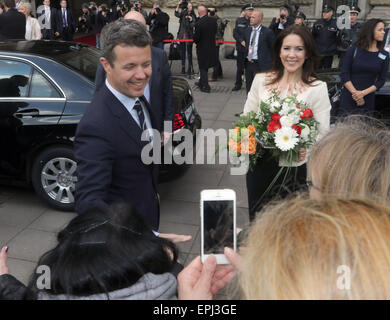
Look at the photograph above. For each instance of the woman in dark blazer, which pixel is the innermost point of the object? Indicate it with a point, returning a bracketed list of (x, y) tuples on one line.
[(364, 70)]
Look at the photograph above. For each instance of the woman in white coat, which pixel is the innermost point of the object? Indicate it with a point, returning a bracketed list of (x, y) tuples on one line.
[(33, 28)]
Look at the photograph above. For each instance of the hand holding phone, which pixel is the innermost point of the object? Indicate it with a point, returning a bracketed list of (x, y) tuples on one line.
[(218, 223)]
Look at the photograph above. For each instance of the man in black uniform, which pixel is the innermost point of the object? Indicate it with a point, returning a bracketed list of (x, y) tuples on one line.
[(325, 33), (242, 24), (349, 35)]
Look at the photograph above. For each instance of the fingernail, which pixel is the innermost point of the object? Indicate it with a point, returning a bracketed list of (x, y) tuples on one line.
[(6, 249)]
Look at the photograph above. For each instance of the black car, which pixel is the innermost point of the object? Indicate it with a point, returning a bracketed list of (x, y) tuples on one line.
[(45, 87), (382, 96)]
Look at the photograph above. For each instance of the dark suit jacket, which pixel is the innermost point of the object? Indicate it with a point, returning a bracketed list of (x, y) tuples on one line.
[(160, 84), (12, 25), (70, 20), (204, 37), (53, 18), (264, 52), (108, 153)]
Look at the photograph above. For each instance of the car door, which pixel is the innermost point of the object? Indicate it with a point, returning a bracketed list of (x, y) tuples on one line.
[(31, 105)]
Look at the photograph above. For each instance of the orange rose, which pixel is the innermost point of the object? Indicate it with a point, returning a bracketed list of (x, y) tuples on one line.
[(234, 147)]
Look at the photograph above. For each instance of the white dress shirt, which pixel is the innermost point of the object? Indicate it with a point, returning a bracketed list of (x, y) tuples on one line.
[(255, 43), (129, 103)]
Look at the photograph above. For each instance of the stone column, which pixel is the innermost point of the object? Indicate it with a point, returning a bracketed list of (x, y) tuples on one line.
[(381, 10)]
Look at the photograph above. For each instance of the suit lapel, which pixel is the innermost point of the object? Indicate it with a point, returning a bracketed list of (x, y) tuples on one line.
[(126, 121), (261, 33)]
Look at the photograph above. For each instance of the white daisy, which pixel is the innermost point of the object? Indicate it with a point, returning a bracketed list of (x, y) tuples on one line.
[(286, 138)]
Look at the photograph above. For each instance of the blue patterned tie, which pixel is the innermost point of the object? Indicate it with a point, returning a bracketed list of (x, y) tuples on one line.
[(141, 115)]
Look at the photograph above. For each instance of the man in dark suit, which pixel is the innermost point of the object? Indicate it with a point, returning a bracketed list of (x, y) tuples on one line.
[(158, 92), (204, 37), (259, 49), (108, 141), (65, 22), (47, 18), (12, 22)]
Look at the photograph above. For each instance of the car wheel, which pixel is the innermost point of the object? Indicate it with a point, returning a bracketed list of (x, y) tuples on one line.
[(54, 177)]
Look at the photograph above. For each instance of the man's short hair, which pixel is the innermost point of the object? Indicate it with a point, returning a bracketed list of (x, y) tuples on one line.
[(124, 32), (10, 3)]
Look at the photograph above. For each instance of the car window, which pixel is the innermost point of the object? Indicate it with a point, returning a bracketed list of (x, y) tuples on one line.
[(41, 88), (83, 60), (14, 78)]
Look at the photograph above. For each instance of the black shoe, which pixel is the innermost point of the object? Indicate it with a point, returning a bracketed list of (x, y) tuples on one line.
[(183, 70), (206, 90), (236, 88)]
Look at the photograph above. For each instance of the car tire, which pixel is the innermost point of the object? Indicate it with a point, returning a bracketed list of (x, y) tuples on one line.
[(54, 176)]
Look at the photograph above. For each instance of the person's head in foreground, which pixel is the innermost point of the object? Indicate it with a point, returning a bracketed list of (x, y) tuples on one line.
[(126, 56), (352, 161), (295, 52), (301, 248), (108, 254), (307, 249)]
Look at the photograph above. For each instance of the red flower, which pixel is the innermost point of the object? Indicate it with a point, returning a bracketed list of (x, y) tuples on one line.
[(273, 126), (297, 128), (307, 114), (276, 117)]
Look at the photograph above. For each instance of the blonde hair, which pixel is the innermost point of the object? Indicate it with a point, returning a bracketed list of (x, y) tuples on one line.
[(303, 249), (26, 6), (353, 160)]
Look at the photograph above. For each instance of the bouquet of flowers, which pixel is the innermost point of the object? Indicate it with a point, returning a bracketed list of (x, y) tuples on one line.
[(282, 125)]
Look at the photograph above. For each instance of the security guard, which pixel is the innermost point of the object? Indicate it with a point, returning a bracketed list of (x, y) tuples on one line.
[(300, 18), (349, 35), (326, 35), (238, 33)]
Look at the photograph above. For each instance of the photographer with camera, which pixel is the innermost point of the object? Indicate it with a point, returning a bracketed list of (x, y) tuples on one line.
[(221, 25), (281, 21), (349, 35), (186, 31), (326, 34), (99, 18), (84, 22), (158, 25), (138, 7)]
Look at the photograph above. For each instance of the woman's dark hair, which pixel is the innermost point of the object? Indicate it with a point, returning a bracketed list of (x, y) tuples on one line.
[(312, 55), (104, 250), (366, 36)]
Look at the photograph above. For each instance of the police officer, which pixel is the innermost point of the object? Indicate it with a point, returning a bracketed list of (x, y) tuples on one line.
[(300, 18), (326, 35), (242, 23), (349, 35)]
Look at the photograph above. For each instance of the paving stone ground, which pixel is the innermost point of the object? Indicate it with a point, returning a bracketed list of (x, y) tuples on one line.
[(29, 227)]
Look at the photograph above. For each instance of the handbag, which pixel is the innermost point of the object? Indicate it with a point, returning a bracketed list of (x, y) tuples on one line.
[(174, 51)]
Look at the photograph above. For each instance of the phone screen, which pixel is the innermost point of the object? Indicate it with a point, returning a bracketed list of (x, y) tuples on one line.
[(218, 225)]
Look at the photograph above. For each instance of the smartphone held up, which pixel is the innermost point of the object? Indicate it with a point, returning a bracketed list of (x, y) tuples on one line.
[(218, 223)]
